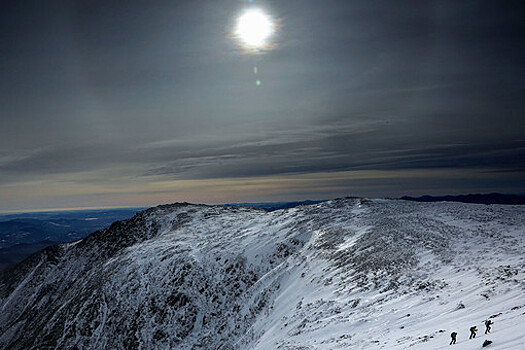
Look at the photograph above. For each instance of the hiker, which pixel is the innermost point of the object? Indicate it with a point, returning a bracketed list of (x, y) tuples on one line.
[(473, 331), (453, 335), (488, 323)]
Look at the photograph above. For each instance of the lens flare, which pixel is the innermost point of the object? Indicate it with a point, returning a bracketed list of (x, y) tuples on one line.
[(254, 28)]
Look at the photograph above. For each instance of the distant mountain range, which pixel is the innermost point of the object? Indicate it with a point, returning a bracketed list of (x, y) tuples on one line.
[(492, 198), (60, 226), (22, 234)]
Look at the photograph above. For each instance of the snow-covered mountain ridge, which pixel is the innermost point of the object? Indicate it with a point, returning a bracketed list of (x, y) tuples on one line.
[(344, 274)]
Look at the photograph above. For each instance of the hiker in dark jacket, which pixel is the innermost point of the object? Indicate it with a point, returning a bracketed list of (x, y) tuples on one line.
[(488, 323), (453, 335), (473, 331)]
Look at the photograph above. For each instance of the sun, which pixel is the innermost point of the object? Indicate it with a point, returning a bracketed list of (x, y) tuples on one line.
[(254, 28)]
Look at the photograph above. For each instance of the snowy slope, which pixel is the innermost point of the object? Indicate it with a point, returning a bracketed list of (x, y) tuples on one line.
[(345, 274)]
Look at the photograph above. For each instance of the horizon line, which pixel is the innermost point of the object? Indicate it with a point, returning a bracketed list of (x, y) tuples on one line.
[(46, 210)]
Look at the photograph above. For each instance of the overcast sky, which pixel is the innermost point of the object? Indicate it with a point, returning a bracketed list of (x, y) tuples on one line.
[(133, 103)]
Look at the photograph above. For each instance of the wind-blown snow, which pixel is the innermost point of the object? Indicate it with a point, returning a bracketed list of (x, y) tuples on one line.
[(345, 274)]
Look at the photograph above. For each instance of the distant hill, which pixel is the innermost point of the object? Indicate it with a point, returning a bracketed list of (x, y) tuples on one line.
[(22, 234), (492, 198), (59, 226), (18, 252)]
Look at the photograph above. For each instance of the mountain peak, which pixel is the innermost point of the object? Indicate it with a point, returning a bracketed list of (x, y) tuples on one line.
[(340, 274)]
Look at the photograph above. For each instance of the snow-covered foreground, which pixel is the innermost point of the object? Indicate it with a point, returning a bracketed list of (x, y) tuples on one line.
[(345, 274)]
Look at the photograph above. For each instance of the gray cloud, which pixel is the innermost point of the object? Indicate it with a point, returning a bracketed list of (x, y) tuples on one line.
[(148, 90)]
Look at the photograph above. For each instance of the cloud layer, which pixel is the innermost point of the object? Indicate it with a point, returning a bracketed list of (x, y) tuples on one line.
[(153, 99)]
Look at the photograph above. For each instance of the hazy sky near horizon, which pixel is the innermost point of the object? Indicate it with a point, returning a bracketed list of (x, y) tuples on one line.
[(124, 103)]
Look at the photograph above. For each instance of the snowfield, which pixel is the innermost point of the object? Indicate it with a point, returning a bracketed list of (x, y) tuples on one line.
[(346, 274)]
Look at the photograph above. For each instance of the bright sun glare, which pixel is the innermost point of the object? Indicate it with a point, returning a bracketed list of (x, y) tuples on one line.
[(254, 27)]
